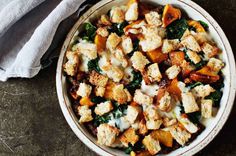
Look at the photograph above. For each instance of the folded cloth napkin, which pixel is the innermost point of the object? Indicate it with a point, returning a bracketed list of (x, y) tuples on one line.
[(31, 30)]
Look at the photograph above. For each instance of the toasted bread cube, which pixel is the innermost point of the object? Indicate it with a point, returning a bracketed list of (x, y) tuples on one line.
[(215, 64), (71, 66), (173, 72), (154, 73), (153, 124), (169, 122), (153, 18), (104, 20), (107, 134), (142, 98), (209, 50), (98, 79), (202, 90), (113, 41), (102, 31), (85, 114), (129, 137), (132, 12), (142, 127), (100, 91), (115, 73), (152, 38), (120, 94), (170, 45), (206, 108), (180, 135), (188, 125), (191, 43), (84, 90), (103, 108), (119, 58), (189, 103), (117, 15), (88, 49), (139, 61), (132, 113), (153, 119), (193, 56), (127, 44), (165, 102), (152, 145)]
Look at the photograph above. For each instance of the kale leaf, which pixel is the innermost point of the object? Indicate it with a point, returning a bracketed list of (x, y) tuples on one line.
[(119, 111), (93, 65), (135, 47), (98, 99), (194, 117), (215, 97), (89, 33), (204, 24), (193, 85), (101, 119), (136, 83), (176, 29), (118, 28)]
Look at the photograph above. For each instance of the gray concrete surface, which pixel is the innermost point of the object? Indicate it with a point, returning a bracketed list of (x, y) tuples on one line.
[(31, 122)]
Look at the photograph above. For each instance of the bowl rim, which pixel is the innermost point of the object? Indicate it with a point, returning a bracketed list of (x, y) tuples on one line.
[(70, 118)]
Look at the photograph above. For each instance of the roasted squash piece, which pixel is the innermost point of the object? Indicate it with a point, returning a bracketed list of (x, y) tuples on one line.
[(156, 56), (164, 137), (186, 68), (170, 14), (177, 58), (86, 101), (100, 43), (174, 89), (207, 71), (133, 103), (109, 90), (205, 75), (196, 25)]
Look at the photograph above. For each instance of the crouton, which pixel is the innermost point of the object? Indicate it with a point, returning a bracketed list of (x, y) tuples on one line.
[(139, 61), (170, 45), (129, 137), (202, 37), (127, 44), (117, 15), (71, 66), (88, 49), (115, 73), (142, 98), (152, 145), (102, 31), (100, 91), (186, 33), (152, 39), (173, 72), (209, 50), (142, 127), (169, 122), (154, 73), (215, 64), (84, 90), (153, 18), (85, 114), (119, 58), (153, 124), (132, 113), (106, 134), (191, 43), (180, 135), (193, 56), (153, 119), (132, 12), (188, 125), (206, 108), (98, 79), (202, 91), (104, 20), (189, 103), (113, 41), (103, 108), (120, 94), (165, 102)]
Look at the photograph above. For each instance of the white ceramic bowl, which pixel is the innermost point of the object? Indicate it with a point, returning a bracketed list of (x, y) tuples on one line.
[(213, 127)]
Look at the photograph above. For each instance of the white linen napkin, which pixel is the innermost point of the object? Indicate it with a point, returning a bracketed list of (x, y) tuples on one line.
[(21, 56)]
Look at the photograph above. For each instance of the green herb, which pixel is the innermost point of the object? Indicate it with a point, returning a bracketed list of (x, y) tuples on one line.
[(93, 65), (89, 33), (101, 119), (194, 117), (129, 149), (135, 47), (119, 111), (136, 83), (118, 28), (176, 29), (193, 85), (215, 97), (98, 99), (204, 24)]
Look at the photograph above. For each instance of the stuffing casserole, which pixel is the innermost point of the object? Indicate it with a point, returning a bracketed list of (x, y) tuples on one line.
[(144, 79)]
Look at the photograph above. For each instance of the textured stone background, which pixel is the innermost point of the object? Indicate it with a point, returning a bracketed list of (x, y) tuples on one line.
[(31, 122)]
